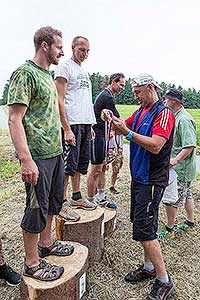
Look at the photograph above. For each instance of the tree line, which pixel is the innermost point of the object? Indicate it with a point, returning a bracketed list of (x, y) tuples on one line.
[(99, 82)]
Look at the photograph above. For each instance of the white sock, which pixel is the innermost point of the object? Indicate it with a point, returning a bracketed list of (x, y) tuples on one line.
[(101, 194), (163, 279), (148, 266)]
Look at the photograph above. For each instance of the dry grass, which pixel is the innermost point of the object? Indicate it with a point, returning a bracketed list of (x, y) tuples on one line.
[(105, 280)]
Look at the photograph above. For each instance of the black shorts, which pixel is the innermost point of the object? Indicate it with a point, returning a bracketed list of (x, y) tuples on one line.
[(46, 197), (78, 157), (145, 200), (98, 148)]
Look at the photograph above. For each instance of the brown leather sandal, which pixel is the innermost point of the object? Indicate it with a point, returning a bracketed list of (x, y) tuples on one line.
[(44, 271), (57, 248)]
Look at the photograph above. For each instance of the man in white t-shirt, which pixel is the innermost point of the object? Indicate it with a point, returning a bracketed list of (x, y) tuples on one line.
[(77, 116)]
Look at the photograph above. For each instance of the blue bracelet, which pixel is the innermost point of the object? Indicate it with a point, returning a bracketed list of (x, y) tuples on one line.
[(129, 136)]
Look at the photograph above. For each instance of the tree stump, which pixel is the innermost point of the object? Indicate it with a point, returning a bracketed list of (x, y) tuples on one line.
[(88, 231), (110, 222), (71, 285)]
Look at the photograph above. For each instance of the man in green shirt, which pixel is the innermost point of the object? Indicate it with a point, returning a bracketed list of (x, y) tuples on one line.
[(183, 161), (34, 125)]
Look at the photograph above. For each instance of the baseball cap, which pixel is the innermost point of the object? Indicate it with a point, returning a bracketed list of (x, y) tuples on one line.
[(143, 79), (174, 94)]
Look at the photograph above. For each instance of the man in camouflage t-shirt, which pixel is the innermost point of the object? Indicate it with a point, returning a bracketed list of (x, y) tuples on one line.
[(35, 130)]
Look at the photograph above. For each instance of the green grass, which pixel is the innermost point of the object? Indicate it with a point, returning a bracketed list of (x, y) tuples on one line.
[(127, 110), (8, 168)]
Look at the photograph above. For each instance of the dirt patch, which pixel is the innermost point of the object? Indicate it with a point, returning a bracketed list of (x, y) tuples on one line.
[(122, 254)]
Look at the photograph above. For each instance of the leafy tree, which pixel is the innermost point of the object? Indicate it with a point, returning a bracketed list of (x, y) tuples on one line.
[(3, 101)]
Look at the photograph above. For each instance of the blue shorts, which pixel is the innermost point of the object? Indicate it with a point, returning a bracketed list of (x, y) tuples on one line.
[(145, 200)]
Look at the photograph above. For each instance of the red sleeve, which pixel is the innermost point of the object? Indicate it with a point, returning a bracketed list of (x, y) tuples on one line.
[(129, 120), (164, 123)]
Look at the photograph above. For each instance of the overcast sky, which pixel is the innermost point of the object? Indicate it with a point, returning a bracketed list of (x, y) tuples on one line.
[(159, 37)]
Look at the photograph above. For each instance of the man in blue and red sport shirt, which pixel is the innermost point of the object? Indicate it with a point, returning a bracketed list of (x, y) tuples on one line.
[(150, 131)]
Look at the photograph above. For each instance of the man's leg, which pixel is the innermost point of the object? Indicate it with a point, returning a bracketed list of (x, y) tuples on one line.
[(93, 179), (45, 237), (144, 215), (101, 185), (152, 253), (116, 166), (189, 209), (76, 182), (31, 248), (171, 215), (66, 182), (113, 178)]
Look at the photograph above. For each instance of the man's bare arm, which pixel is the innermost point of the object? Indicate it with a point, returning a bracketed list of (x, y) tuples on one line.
[(29, 170), (61, 85), (181, 155)]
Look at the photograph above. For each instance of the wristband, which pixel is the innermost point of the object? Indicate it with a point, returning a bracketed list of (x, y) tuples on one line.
[(129, 136)]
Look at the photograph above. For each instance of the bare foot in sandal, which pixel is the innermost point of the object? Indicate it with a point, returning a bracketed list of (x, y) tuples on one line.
[(44, 271), (57, 248)]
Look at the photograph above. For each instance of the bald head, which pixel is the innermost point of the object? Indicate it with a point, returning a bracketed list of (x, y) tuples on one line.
[(80, 49)]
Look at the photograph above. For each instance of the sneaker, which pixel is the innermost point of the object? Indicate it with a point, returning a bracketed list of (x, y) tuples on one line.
[(139, 275), (165, 234), (162, 291), (67, 213), (186, 227), (11, 277), (83, 203), (113, 190), (93, 201), (106, 204)]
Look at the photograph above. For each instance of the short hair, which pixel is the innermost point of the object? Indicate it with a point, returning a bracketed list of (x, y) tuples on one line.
[(45, 34), (76, 40), (116, 77)]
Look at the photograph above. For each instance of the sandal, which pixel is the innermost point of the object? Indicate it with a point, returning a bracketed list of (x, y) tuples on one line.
[(44, 271), (57, 248)]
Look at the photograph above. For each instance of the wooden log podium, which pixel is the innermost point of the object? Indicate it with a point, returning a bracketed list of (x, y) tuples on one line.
[(70, 286), (110, 222), (88, 231)]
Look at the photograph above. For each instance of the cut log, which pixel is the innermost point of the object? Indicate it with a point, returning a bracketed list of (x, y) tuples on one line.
[(88, 231), (110, 221), (71, 285)]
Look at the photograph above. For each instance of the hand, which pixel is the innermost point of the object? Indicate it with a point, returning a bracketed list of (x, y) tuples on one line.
[(92, 134), (106, 115), (119, 126), (29, 171), (173, 162), (70, 137)]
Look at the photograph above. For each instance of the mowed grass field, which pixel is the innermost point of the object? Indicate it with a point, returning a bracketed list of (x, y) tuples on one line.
[(127, 110)]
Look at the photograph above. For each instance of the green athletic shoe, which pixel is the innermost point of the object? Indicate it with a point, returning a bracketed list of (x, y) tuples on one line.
[(185, 227), (165, 234)]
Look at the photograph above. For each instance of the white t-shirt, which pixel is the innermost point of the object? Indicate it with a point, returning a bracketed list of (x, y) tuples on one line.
[(78, 98)]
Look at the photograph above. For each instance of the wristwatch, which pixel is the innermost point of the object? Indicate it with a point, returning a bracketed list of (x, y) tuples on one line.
[(129, 136)]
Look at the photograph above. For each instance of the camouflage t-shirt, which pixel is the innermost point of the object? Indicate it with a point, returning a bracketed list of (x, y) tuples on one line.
[(34, 86)]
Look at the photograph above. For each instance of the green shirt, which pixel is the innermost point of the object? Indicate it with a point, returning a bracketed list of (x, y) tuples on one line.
[(185, 136), (34, 86)]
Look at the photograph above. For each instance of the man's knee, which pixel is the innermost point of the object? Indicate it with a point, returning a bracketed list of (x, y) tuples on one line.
[(96, 170)]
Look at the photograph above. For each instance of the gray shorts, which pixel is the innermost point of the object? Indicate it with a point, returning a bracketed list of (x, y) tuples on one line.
[(46, 197), (184, 191)]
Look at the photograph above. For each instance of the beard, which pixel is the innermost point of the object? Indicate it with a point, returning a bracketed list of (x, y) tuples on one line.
[(52, 58)]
